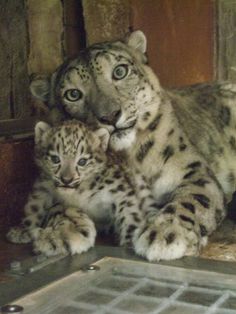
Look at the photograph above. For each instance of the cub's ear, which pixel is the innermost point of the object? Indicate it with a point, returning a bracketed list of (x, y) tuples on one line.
[(137, 40), (40, 87), (39, 130), (104, 137)]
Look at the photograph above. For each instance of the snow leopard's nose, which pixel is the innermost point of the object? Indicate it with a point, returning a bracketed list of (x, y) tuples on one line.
[(111, 118), (66, 180)]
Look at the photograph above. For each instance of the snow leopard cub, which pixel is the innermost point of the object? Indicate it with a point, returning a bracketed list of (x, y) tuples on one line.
[(89, 187)]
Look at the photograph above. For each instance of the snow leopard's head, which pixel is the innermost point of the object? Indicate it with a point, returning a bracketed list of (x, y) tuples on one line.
[(109, 84)]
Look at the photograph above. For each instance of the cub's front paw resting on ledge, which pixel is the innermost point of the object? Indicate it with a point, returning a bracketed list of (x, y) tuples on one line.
[(166, 239), (18, 235), (73, 233)]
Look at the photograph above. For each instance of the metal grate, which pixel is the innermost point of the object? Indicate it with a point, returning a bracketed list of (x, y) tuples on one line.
[(128, 287)]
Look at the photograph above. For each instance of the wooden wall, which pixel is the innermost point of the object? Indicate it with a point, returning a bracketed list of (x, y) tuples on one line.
[(16, 177), (13, 60), (55, 31), (180, 38), (226, 38)]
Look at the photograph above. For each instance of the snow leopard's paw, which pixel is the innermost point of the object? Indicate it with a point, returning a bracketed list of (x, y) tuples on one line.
[(18, 235), (73, 233), (166, 239)]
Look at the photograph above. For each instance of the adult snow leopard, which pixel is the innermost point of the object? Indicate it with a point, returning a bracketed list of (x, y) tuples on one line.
[(183, 141)]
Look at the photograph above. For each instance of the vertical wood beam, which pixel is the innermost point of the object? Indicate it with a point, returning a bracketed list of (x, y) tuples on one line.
[(45, 22), (13, 60), (106, 19), (226, 40)]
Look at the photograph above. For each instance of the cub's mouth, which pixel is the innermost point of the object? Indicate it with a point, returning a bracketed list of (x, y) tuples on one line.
[(66, 187)]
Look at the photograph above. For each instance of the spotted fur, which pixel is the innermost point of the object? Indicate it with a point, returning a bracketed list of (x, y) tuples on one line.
[(81, 189), (181, 140)]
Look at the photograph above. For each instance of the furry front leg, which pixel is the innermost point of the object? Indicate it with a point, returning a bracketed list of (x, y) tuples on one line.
[(166, 238), (182, 226), (72, 232), (18, 234)]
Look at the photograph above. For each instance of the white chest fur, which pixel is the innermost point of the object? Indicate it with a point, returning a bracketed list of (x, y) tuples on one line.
[(97, 207)]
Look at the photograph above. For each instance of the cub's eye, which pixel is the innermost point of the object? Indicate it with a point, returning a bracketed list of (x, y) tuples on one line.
[(73, 95), (55, 159), (82, 162), (120, 72)]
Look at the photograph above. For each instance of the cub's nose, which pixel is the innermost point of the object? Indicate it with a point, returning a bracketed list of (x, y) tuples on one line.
[(66, 180), (111, 118)]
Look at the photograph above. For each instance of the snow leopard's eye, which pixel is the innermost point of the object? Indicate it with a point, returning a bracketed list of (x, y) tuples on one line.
[(82, 162), (73, 95), (55, 159), (120, 72)]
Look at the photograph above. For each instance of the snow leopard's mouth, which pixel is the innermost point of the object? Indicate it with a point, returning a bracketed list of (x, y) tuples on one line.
[(120, 131), (67, 187)]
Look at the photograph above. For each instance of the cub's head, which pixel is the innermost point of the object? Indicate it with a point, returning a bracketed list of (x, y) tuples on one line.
[(70, 153), (108, 84)]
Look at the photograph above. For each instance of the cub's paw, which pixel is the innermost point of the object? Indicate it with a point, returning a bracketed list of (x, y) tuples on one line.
[(18, 235), (62, 239), (48, 241), (166, 239)]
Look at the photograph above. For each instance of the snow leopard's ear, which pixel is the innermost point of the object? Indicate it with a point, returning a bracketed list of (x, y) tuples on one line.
[(40, 87), (103, 136), (39, 130), (137, 40)]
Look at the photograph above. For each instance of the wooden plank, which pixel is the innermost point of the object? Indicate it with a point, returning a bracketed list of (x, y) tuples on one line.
[(17, 128), (5, 65), (106, 19), (45, 22), (14, 89), (17, 175), (75, 38), (180, 38), (226, 65)]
